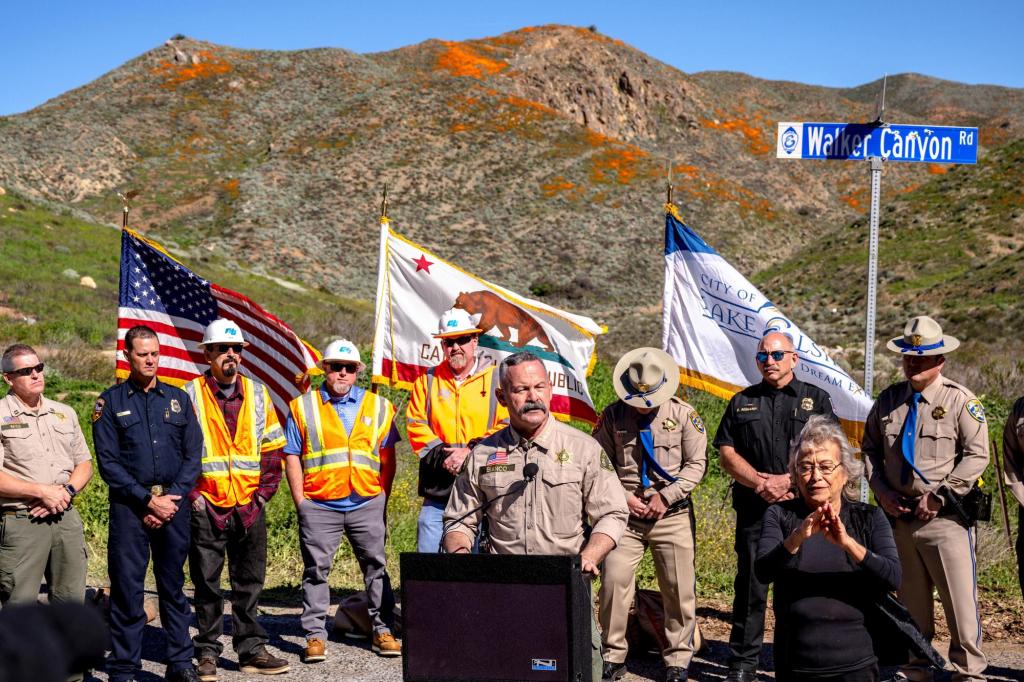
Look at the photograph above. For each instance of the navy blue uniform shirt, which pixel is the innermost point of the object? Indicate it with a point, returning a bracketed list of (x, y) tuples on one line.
[(146, 438)]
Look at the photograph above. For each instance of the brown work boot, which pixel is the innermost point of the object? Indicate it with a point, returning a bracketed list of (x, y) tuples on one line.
[(385, 644), (207, 668), (315, 650), (262, 662)]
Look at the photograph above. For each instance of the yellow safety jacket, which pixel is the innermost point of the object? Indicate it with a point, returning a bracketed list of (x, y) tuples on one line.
[(231, 466), (335, 463), (443, 411)]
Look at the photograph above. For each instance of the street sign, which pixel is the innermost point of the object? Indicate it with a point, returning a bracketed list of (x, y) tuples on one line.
[(920, 143)]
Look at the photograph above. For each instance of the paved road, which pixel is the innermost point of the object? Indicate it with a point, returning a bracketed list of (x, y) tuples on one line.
[(352, 660)]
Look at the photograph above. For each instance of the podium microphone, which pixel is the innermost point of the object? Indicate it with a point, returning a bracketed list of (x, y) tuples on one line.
[(530, 471)]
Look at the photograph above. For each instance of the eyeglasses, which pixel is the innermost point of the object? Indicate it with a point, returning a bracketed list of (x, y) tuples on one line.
[(826, 468), (776, 355), (349, 367), (457, 340), (26, 371), (225, 347)]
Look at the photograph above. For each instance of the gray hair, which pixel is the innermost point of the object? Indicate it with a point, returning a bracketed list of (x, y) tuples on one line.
[(13, 351), (511, 361), (819, 430)]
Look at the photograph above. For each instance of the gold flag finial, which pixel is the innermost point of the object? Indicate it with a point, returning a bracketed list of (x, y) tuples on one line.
[(126, 205), (668, 175), (384, 203)]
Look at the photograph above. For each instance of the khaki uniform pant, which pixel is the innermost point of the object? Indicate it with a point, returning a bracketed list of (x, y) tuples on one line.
[(671, 541), (31, 549), (940, 554)]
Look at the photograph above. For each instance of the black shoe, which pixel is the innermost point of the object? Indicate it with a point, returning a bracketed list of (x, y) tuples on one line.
[(675, 674), (185, 675), (613, 671), (741, 676)]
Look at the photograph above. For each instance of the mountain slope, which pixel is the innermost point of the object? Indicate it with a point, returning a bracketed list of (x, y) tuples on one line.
[(536, 158)]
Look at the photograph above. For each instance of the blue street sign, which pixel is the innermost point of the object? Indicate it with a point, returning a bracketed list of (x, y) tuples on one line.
[(923, 144)]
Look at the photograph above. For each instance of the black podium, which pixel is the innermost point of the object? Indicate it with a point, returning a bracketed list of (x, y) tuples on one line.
[(486, 617)]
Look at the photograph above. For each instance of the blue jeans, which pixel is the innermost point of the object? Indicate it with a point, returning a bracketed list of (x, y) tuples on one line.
[(429, 526)]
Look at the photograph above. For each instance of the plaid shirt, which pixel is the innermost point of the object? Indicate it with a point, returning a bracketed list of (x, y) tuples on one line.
[(270, 465)]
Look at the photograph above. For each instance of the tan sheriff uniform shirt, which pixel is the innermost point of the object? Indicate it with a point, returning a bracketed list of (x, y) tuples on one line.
[(680, 447), (544, 516), (951, 446), (41, 446), (1013, 451)]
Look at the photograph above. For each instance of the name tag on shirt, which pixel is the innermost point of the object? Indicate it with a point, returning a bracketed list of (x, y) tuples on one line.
[(497, 468), (15, 425), (124, 414)]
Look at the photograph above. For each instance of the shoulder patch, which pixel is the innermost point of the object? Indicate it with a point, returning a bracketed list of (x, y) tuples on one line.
[(696, 421), (976, 410), (97, 409)]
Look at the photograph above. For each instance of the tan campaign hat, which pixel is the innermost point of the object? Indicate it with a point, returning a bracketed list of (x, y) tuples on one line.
[(646, 377), (923, 336)]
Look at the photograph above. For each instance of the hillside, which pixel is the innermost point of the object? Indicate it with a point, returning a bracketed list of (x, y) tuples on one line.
[(544, 145), (43, 301)]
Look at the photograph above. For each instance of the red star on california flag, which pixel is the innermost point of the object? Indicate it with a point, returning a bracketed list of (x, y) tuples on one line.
[(422, 263)]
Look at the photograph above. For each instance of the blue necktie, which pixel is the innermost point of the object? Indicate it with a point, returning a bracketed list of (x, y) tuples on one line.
[(909, 434)]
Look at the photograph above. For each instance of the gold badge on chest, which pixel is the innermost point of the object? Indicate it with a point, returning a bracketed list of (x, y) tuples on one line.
[(670, 424), (807, 404), (563, 457), (939, 412)]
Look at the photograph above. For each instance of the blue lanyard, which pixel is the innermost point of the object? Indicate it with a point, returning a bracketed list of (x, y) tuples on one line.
[(647, 439)]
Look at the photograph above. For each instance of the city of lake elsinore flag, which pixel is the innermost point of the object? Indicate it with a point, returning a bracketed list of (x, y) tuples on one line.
[(160, 292), (414, 287), (714, 319)]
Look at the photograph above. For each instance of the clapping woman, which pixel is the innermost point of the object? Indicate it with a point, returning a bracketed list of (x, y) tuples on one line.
[(830, 558)]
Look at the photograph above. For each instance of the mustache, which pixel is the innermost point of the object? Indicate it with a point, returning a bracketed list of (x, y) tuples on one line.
[(533, 405)]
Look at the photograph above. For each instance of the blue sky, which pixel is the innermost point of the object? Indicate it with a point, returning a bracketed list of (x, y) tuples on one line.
[(49, 47)]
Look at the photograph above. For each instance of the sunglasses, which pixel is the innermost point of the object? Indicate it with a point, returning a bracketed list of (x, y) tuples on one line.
[(349, 367), (457, 340), (26, 371), (225, 347), (776, 355)]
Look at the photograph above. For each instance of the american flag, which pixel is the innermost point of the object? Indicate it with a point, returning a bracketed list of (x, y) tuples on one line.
[(177, 304), (497, 457)]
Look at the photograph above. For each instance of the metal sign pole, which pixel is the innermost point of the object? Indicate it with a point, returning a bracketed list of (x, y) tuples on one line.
[(869, 335), (869, 338)]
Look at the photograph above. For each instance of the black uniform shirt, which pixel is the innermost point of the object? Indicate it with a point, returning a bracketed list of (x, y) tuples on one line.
[(760, 423), (146, 438)]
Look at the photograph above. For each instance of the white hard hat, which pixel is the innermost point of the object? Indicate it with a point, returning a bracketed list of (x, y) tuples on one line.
[(455, 322), (342, 350), (223, 331)]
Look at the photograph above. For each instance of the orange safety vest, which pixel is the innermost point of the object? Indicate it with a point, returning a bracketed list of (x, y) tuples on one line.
[(335, 463), (442, 410), (231, 466)]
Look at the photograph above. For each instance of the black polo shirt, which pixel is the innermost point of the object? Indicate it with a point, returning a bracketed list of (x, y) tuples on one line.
[(760, 423)]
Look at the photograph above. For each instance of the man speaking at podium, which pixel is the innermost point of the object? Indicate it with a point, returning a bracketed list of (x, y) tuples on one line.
[(544, 516)]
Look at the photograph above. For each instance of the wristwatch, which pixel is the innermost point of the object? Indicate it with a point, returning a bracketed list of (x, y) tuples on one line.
[(72, 492)]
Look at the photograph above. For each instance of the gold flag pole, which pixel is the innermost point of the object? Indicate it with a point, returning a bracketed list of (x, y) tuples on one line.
[(384, 220)]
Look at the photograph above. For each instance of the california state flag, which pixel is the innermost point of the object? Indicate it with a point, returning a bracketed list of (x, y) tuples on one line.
[(414, 287)]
